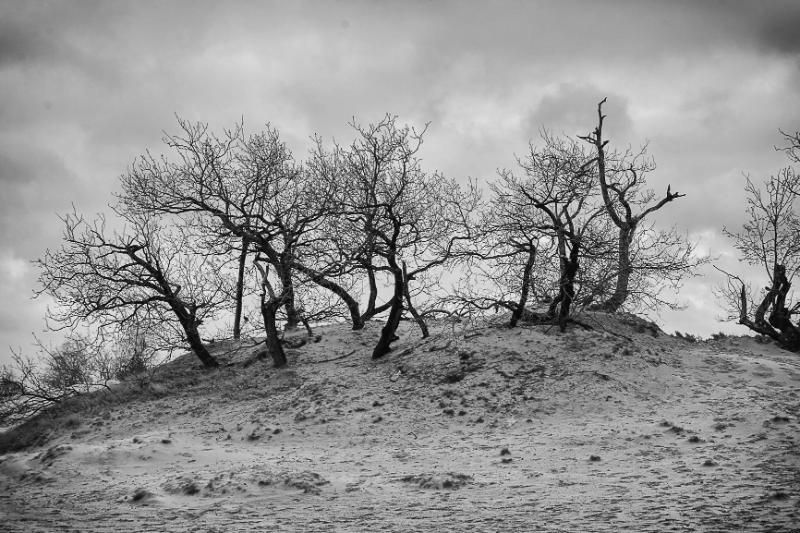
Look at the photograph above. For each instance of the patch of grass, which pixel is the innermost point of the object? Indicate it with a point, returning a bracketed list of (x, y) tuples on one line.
[(142, 495), (688, 337), (30, 434), (72, 421), (453, 377), (450, 480)]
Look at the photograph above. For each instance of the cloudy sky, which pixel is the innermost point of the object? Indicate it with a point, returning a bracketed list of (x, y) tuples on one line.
[(86, 86)]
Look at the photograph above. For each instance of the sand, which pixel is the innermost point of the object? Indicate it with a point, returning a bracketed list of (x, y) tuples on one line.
[(478, 428)]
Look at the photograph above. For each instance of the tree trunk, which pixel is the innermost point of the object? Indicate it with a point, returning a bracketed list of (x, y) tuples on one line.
[(188, 321), (568, 268), (373, 294), (624, 271), (269, 311), (568, 293), (292, 316), (196, 343), (389, 331), (780, 317), (423, 327), (237, 319), (519, 310)]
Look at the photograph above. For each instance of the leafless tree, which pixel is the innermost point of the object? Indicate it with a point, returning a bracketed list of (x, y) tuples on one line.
[(557, 189), (271, 301), (506, 259), (31, 384), (769, 239), (108, 278), (646, 257), (252, 189), (26, 389), (394, 218), (541, 237)]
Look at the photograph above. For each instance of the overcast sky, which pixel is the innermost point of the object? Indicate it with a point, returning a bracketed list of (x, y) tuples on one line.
[(86, 86)]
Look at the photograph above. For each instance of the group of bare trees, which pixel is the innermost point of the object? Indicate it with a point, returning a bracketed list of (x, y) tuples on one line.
[(569, 229), (80, 364), (770, 240), (360, 230)]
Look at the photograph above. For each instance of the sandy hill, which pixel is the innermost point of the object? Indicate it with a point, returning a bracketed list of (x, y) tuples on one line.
[(478, 428)]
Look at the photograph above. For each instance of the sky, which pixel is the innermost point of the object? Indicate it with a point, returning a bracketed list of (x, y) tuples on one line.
[(87, 86)]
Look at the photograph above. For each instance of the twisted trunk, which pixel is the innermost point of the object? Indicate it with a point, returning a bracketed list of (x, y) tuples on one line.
[(423, 327), (561, 305), (188, 322), (199, 349), (389, 331), (568, 292), (779, 325), (292, 316), (624, 270), (269, 311)]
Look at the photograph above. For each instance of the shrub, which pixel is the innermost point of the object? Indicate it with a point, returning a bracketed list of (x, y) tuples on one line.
[(688, 337)]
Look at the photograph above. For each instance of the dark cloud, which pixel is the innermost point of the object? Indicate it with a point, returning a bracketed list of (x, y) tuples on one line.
[(36, 185), (20, 44), (771, 25), (781, 31)]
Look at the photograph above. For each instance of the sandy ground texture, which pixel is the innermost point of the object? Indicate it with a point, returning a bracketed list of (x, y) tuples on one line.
[(620, 428)]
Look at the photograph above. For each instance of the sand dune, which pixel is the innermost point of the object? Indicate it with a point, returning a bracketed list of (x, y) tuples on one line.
[(618, 428)]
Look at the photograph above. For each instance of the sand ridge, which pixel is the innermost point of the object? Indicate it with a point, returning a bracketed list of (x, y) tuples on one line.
[(473, 429)]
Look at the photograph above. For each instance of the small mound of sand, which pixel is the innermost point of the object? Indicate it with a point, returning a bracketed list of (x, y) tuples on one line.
[(448, 480), (308, 482), (142, 496), (181, 485), (51, 454)]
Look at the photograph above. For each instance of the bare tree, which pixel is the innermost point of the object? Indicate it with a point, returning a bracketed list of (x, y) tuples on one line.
[(541, 229), (31, 384), (252, 189), (395, 218), (769, 239), (558, 186), (504, 256), (107, 278), (26, 388), (137, 348), (641, 250), (271, 302)]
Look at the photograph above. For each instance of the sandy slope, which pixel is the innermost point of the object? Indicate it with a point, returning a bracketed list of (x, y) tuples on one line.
[(472, 430)]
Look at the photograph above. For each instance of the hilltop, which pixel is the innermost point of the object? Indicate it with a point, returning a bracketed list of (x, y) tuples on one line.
[(479, 428)]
